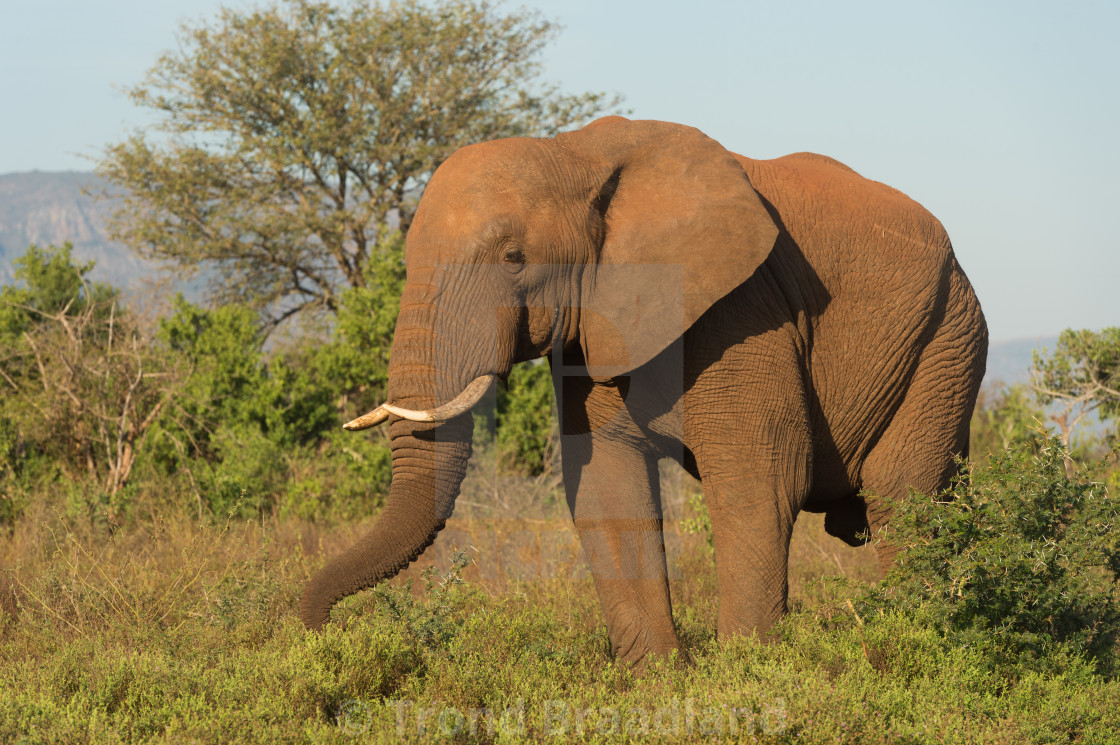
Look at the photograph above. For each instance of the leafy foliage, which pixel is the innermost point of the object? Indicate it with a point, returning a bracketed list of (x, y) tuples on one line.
[(83, 383), (259, 433), (15, 492), (1007, 419), (434, 623), (1082, 376), (699, 522), (232, 382), (526, 436), (195, 414), (291, 136), (1018, 557), (50, 283), (356, 361)]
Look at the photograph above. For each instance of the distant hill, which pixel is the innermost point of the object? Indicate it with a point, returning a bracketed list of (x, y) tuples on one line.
[(1010, 361), (52, 208)]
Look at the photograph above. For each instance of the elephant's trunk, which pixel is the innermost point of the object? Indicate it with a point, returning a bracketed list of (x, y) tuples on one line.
[(429, 463)]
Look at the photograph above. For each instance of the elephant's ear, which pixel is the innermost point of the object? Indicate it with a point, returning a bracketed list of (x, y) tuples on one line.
[(683, 227)]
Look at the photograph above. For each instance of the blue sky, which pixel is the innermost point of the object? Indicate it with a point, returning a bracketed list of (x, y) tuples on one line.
[(1001, 118)]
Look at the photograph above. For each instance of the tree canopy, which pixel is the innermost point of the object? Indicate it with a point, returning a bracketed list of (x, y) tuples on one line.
[(292, 140), (1080, 377)]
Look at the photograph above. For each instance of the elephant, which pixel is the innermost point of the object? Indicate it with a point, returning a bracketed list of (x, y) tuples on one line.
[(796, 336)]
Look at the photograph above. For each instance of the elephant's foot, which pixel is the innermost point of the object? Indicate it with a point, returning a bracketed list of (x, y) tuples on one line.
[(675, 658), (764, 633), (749, 619), (636, 642), (642, 658)]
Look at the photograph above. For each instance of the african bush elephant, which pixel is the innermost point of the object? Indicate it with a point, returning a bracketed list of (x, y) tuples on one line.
[(789, 331)]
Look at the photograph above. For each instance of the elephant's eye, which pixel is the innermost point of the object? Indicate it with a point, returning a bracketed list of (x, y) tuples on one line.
[(513, 258)]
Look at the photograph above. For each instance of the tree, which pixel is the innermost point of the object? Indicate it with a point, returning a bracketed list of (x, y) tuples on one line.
[(81, 381), (294, 138), (1082, 376)]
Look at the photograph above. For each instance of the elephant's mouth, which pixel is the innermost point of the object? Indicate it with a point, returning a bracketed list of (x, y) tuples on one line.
[(462, 403)]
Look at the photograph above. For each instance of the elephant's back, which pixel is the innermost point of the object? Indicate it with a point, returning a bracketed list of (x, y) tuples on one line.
[(868, 247), (816, 159)]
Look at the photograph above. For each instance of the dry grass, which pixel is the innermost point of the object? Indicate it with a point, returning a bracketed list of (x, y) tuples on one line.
[(172, 631), (81, 578), (519, 529)]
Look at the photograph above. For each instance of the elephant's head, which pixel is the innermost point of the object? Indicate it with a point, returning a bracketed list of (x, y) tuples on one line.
[(609, 242)]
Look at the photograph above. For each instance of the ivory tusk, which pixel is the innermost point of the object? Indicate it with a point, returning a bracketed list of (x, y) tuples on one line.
[(463, 402), (365, 421)]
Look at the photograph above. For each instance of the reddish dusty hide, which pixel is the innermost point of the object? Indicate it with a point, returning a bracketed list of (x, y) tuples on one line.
[(789, 331)]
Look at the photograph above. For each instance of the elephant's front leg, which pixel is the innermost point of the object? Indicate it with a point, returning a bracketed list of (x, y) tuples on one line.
[(613, 492)]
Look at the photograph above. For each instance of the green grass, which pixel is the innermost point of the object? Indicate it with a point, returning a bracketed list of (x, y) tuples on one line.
[(173, 632)]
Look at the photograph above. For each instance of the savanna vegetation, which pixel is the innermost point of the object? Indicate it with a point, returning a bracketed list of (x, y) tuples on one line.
[(172, 472)]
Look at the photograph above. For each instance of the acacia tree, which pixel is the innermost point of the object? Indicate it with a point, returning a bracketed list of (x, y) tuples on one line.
[(293, 140), (1082, 376)]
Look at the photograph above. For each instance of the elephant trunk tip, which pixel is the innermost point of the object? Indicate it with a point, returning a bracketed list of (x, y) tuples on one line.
[(314, 610), (357, 570), (314, 620)]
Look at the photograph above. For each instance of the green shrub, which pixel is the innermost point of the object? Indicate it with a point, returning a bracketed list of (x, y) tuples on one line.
[(699, 522), (355, 363), (1009, 418), (1018, 558), (49, 283), (525, 436), (13, 494), (343, 477), (257, 434), (82, 385), (232, 384), (435, 622), (247, 471)]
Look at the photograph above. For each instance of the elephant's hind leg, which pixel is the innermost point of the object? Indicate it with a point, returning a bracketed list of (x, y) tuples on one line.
[(753, 452), (930, 429), (752, 523)]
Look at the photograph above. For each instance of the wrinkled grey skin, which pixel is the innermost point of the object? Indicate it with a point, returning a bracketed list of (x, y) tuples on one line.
[(787, 330)]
